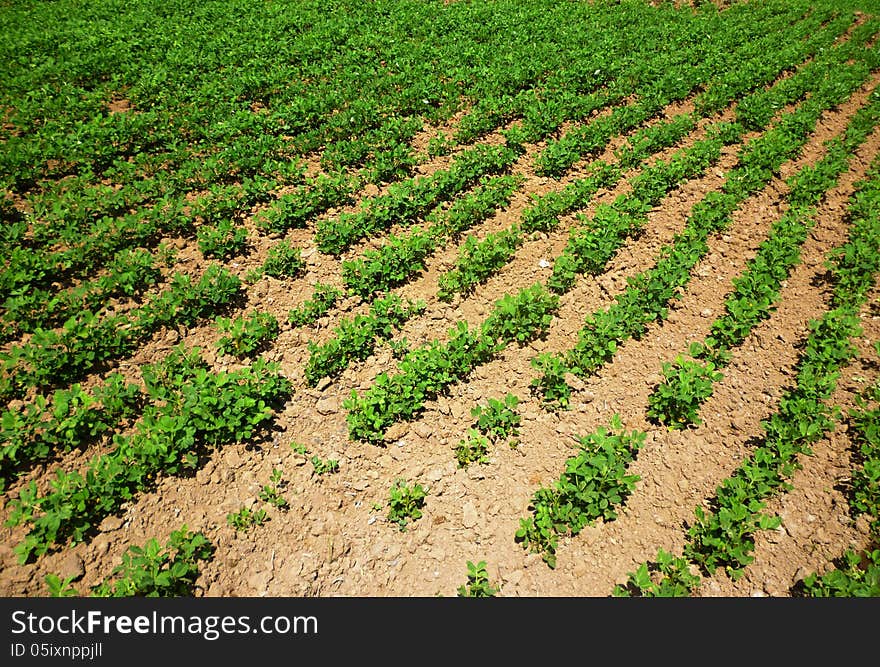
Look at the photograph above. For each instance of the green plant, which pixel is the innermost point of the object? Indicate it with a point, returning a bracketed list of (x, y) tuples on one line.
[(478, 585), (554, 391), (324, 467), (405, 503), (59, 588), (857, 574), (472, 449), (498, 419), (159, 571), (283, 261), (667, 577), (271, 493), (687, 384), (222, 241), (299, 448), (246, 335), (245, 518), (323, 299), (399, 348)]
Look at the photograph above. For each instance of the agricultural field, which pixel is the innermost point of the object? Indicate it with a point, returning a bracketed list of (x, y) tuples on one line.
[(425, 298)]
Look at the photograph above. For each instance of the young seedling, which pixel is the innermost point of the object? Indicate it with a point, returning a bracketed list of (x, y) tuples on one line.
[(324, 467), (551, 387), (59, 588), (473, 449), (399, 348), (478, 585), (499, 420), (405, 503), (271, 493), (245, 519)]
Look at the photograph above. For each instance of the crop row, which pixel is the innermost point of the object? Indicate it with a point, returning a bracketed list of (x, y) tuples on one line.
[(480, 259), (50, 357), (723, 535), (647, 297), (191, 410), (596, 479), (688, 382)]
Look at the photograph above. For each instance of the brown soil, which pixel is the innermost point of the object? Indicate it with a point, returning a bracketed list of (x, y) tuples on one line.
[(335, 540)]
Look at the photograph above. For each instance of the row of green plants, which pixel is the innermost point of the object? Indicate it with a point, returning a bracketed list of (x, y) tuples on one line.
[(722, 534), (856, 573), (403, 255), (787, 139), (324, 297), (76, 254), (72, 418), (218, 207), (154, 570), (480, 259), (54, 357), (427, 370), (356, 338), (500, 246), (408, 201), (680, 79), (593, 487), (156, 155), (687, 383), (191, 411), (129, 274), (647, 297), (595, 241)]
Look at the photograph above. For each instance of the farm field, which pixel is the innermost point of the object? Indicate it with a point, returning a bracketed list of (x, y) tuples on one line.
[(471, 298)]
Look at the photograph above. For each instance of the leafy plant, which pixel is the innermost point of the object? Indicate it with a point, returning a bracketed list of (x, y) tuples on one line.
[(687, 384), (159, 571), (667, 577), (857, 575), (323, 299), (478, 585), (552, 387), (245, 518), (283, 261), (594, 485), (472, 449), (271, 493), (59, 588), (246, 335), (498, 419), (405, 503), (324, 467), (224, 240), (299, 448)]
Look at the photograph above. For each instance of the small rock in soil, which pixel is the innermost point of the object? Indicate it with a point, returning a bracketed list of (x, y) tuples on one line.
[(327, 406), (396, 431), (72, 568), (469, 515), (111, 523)]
